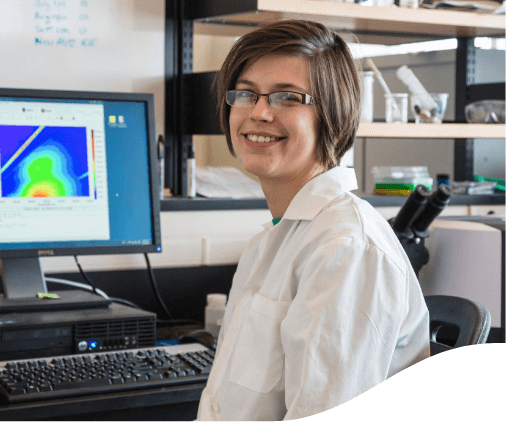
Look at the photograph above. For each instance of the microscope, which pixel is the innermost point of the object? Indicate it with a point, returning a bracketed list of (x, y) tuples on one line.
[(411, 225)]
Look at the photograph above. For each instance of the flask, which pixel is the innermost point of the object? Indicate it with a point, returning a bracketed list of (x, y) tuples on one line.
[(214, 312), (406, 75)]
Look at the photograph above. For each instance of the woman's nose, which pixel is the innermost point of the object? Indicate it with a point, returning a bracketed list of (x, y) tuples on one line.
[(262, 110)]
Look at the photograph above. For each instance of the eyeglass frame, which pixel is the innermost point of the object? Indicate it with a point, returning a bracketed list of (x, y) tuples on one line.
[(306, 98)]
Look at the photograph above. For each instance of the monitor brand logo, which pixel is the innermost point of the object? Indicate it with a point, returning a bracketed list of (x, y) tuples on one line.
[(46, 252)]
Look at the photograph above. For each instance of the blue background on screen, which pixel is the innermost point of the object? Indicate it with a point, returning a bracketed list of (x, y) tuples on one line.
[(128, 181)]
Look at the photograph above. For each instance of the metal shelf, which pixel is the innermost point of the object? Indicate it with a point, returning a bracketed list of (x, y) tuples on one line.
[(210, 204), (378, 25), (431, 131), (344, 16)]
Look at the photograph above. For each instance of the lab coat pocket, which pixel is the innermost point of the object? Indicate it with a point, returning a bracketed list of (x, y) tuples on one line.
[(258, 358)]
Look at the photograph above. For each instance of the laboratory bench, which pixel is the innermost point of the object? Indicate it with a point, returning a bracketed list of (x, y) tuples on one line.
[(210, 204)]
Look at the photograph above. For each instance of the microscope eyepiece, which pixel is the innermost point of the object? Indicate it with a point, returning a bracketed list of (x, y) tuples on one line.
[(415, 202), (437, 202)]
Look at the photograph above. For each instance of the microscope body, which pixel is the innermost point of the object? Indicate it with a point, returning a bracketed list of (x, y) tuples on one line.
[(415, 249), (411, 225)]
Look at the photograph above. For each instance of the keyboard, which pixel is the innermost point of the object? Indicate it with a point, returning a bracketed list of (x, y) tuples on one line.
[(98, 373)]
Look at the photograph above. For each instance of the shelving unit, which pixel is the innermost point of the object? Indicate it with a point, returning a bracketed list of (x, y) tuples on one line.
[(384, 25), (350, 17), (430, 131)]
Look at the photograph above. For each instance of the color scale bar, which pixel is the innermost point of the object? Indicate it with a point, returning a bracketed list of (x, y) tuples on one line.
[(93, 158)]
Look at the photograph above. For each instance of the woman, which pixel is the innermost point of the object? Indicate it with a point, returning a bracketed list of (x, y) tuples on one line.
[(324, 304)]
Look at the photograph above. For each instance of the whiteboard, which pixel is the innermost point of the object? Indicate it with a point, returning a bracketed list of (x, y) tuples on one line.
[(85, 45)]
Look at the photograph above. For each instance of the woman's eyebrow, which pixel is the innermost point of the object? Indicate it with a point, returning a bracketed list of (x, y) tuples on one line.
[(275, 86)]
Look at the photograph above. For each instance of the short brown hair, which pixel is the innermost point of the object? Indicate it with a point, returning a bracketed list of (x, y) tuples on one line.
[(333, 78)]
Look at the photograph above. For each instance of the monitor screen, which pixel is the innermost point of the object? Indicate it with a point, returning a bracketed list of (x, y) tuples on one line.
[(78, 175)]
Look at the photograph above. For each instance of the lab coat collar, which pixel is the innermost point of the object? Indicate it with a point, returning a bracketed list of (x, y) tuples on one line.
[(318, 192)]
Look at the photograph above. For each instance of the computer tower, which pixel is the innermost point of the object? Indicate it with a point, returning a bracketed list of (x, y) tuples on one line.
[(51, 333)]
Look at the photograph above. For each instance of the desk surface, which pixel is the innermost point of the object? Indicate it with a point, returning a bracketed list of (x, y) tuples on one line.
[(169, 403)]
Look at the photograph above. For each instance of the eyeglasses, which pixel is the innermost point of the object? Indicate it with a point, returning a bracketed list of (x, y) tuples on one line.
[(283, 100)]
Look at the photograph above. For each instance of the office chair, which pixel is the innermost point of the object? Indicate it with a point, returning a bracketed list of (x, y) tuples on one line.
[(456, 322)]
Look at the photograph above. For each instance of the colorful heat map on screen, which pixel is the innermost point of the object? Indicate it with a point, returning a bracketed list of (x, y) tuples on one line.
[(43, 161)]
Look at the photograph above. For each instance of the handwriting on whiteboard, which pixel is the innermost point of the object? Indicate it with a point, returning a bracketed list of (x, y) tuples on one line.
[(62, 23)]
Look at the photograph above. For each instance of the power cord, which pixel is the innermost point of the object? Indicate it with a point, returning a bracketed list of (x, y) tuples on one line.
[(202, 337), (89, 288), (85, 276), (155, 288), (78, 285)]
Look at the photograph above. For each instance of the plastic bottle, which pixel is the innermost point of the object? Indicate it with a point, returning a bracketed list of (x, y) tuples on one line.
[(214, 312), (412, 4), (406, 75), (367, 80)]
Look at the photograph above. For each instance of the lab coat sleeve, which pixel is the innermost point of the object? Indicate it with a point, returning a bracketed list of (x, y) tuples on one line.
[(341, 329)]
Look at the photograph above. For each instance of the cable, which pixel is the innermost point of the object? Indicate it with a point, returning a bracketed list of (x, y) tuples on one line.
[(78, 285), (126, 302), (199, 337), (98, 291), (155, 288), (85, 276)]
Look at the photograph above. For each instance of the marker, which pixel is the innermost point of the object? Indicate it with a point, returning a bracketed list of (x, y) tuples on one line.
[(190, 176)]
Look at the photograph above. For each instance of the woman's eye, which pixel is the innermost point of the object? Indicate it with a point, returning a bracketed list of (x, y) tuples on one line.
[(287, 96), (244, 94)]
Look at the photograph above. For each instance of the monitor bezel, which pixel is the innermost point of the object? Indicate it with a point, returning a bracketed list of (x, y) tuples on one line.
[(146, 98)]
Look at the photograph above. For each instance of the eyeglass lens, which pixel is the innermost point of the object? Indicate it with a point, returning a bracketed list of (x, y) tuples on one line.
[(276, 99)]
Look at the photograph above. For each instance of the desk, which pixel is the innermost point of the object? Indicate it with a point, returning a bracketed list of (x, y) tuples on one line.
[(172, 403)]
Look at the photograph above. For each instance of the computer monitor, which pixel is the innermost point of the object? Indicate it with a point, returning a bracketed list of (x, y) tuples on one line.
[(78, 176)]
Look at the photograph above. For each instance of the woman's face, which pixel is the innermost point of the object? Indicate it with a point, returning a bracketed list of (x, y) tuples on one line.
[(293, 153)]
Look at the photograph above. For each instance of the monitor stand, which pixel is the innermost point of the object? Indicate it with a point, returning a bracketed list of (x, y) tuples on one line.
[(23, 280)]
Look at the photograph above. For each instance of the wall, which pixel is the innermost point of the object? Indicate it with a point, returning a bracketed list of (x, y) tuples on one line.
[(85, 45)]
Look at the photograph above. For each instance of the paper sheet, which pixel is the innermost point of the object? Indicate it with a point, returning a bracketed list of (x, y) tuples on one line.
[(226, 182), (477, 6)]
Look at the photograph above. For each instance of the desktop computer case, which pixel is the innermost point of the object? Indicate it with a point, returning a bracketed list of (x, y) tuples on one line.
[(42, 334)]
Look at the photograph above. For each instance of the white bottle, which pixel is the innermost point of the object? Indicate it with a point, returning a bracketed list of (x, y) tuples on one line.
[(214, 312), (406, 75), (367, 80), (412, 4)]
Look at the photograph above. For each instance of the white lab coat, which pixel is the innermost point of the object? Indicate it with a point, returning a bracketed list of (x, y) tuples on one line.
[(323, 306)]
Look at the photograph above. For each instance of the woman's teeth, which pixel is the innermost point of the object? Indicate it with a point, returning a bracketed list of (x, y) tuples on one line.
[(255, 138)]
